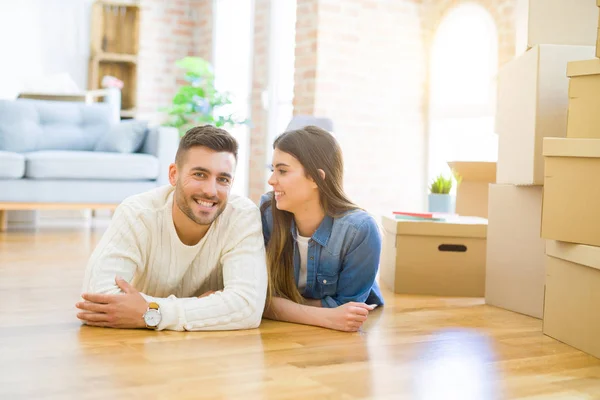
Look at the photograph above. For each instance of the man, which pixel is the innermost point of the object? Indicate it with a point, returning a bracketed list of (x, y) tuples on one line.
[(187, 256)]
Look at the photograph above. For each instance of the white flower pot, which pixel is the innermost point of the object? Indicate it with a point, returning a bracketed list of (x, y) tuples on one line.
[(441, 203)]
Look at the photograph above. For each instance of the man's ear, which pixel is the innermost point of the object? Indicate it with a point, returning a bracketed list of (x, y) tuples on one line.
[(173, 174)]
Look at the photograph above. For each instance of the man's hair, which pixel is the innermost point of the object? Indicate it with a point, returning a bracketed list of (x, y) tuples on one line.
[(214, 138)]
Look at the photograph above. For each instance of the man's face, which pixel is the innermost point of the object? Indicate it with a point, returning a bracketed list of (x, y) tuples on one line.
[(202, 183)]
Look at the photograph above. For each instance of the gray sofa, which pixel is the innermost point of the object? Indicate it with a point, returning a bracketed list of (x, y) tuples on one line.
[(74, 154)]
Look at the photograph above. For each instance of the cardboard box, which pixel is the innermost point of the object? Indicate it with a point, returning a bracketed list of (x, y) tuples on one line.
[(598, 36), (434, 258), (532, 103), (583, 120), (472, 192), (572, 298), (515, 274), (570, 22), (570, 211)]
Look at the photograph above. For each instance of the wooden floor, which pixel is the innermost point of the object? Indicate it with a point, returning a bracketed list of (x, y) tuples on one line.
[(413, 348)]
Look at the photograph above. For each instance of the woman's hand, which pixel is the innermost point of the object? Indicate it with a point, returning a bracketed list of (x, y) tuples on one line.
[(348, 317)]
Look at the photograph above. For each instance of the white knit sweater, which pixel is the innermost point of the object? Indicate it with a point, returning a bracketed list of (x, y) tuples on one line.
[(142, 246)]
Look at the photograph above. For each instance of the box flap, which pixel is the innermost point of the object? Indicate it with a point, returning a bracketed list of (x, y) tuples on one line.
[(576, 253), (583, 67), (475, 171), (467, 227), (571, 147)]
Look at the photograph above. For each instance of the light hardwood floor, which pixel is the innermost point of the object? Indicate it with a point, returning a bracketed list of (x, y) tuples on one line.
[(413, 348)]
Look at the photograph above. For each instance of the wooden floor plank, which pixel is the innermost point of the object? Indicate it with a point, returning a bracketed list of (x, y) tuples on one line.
[(415, 347)]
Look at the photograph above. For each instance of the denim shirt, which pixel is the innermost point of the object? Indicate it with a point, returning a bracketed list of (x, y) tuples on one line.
[(343, 258)]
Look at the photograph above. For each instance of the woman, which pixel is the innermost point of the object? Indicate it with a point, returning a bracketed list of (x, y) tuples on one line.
[(322, 250)]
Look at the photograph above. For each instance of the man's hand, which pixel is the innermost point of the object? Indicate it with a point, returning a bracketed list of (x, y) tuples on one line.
[(206, 294), (125, 310)]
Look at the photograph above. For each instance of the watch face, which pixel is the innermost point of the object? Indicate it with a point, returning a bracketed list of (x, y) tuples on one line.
[(152, 317)]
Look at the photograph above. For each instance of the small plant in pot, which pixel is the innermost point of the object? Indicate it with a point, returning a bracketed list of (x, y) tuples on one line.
[(440, 199)]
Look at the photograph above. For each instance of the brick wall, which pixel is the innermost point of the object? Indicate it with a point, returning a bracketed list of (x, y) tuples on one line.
[(361, 63), (365, 64), (258, 114), (169, 31), (305, 74), (202, 40)]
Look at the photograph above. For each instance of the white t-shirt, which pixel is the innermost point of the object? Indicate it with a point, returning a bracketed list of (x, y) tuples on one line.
[(142, 246), (303, 250)]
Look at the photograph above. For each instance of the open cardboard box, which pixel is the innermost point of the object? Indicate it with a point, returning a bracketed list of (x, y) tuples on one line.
[(570, 22), (472, 192)]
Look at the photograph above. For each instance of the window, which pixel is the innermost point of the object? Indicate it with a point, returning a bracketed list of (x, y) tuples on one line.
[(233, 72), (464, 63), (280, 92)]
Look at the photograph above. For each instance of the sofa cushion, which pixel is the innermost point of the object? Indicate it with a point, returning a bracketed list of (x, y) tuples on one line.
[(70, 191), (124, 137), (12, 165), (90, 165), (33, 125)]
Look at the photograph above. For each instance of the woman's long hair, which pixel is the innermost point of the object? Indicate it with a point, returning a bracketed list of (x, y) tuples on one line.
[(315, 149)]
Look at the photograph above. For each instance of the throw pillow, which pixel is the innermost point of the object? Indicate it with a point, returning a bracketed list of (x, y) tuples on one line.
[(124, 137)]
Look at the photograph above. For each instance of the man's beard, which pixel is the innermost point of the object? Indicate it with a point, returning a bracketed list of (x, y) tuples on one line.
[(184, 205)]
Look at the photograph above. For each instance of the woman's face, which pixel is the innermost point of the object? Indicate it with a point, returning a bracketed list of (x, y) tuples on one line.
[(293, 189)]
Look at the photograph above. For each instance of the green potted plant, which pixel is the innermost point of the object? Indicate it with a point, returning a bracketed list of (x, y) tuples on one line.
[(440, 199), (199, 102)]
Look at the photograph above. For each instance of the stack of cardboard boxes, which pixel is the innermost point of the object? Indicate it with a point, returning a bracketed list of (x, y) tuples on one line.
[(548, 122), (538, 251), (532, 105), (501, 254), (571, 215)]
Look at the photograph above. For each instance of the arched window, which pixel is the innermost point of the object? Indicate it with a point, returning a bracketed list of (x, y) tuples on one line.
[(462, 91)]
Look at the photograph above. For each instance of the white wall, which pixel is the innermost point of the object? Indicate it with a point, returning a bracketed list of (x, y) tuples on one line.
[(40, 38), (43, 38)]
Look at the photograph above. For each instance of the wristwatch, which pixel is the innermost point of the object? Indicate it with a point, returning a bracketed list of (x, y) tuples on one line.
[(152, 316)]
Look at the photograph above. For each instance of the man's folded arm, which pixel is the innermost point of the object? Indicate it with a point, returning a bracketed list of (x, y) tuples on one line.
[(240, 304)]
